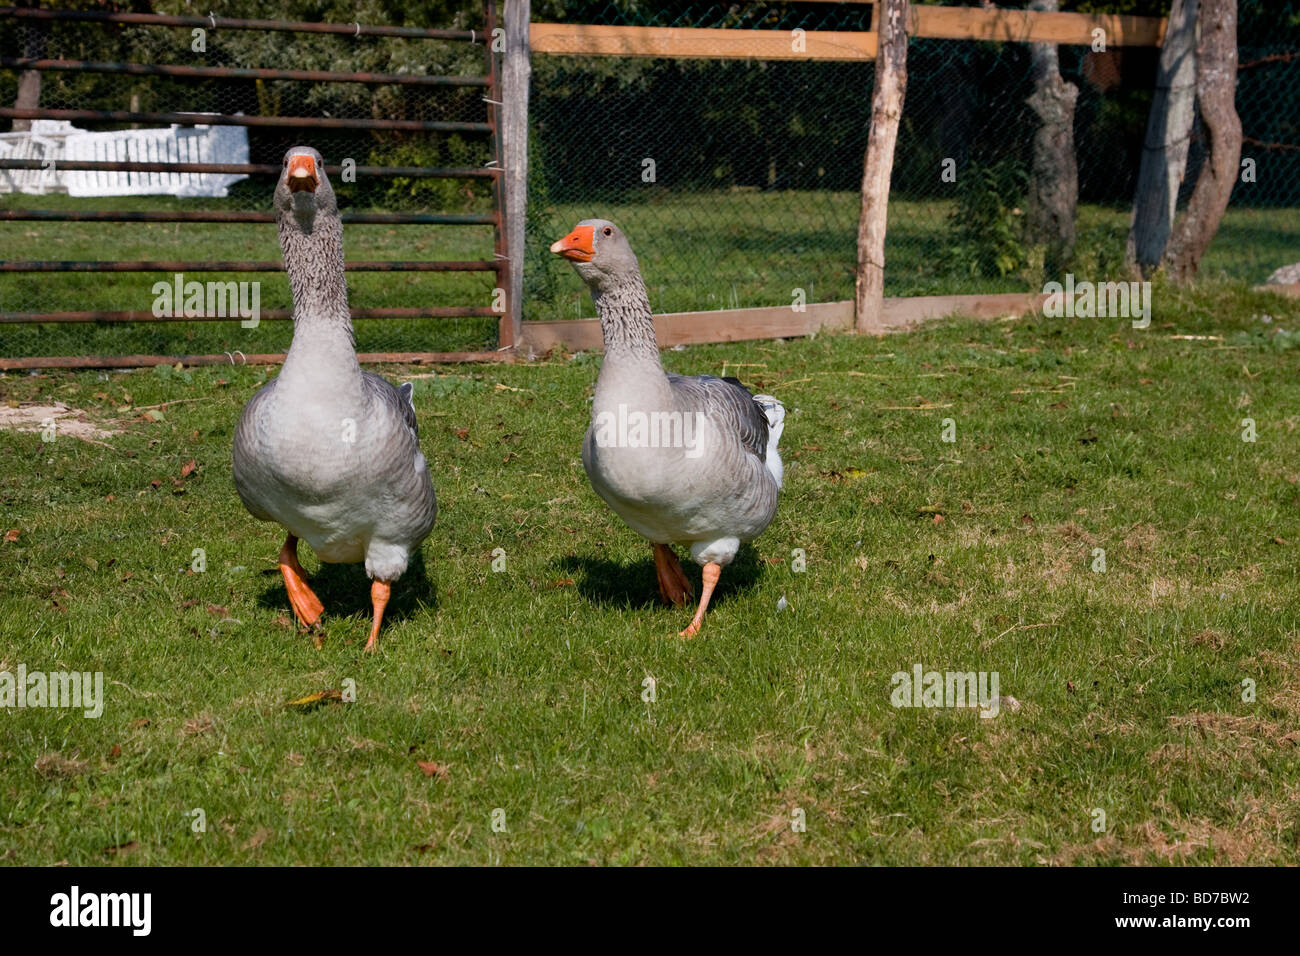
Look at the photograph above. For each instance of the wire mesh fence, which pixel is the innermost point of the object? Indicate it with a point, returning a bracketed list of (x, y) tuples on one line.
[(399, 109), (737, 181)]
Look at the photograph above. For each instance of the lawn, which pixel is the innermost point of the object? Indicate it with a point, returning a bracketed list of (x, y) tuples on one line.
[(526, 687)]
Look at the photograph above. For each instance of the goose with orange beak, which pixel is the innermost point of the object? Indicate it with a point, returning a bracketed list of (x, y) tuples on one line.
[(328, 451), (682, 460)]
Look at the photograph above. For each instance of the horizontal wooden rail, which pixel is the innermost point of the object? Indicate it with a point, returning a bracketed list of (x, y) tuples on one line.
[(239, 358), (678, 42), (696, 328), (736, 325), (954, 23), (1034, 26)]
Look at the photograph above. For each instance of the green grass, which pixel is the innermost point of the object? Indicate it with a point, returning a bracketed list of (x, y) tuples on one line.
[(527, 685), (697, 251)]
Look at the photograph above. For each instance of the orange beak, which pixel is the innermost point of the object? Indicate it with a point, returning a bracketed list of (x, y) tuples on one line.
[(577, 245), (302, 173)]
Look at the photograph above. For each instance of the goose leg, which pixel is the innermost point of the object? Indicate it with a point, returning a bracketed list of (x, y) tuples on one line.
[(305, 603), (673, 586), (712, 572), (379, 594)]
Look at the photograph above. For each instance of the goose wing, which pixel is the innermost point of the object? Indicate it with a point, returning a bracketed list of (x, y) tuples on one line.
[(396, 401), (729, 405)]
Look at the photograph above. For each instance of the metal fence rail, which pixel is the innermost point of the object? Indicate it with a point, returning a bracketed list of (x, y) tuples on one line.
[(393, 130)]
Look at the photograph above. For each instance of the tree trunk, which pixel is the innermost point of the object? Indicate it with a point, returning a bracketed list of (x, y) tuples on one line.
[(33, 35), (515, 72), (886, 111), (1216, 91), (1164, 151), (1054, 181)]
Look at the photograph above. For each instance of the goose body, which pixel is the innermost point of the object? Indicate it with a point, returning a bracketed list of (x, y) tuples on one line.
[(329, 451), (712, 501), (682, 460)]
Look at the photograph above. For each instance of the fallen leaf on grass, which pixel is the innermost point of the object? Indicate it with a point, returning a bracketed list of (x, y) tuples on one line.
[(844, 477), (122, 849), (197, 725), (189, 468), (433, 769), (321, 697), (140, 722), (257, 839), (562, 583), (12, 534)]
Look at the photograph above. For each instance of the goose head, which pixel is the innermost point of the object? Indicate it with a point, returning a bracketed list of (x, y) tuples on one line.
[(303, 196), (600, 254)]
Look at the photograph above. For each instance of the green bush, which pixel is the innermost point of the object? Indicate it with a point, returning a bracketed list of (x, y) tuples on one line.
[(434, 195), (987, 220)]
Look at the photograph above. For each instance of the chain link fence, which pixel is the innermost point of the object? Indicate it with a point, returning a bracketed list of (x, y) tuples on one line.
[(737, 181), (345, 121)]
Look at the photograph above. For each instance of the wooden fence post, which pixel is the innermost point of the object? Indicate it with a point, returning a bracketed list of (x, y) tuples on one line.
[(1053, 198), (886, 111), (515, 73), (1216, 91), (1164, 151)]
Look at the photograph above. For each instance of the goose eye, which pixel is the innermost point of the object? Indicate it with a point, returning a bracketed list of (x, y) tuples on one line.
[(609, 231)]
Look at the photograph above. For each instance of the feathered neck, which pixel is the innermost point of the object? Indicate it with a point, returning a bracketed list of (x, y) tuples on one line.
[(323, 349), (626, 322), (313, 257)]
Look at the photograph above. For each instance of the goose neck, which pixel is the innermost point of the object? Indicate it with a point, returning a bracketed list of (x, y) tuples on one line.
[(323, 348), (626, 323)]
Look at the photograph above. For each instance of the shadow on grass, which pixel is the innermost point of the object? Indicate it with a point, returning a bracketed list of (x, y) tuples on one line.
[(610, 583), (344, 589)]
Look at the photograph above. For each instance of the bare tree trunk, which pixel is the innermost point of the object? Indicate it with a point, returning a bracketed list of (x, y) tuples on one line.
[(28, 97), (1164, 152), (1216, 91), (1054, 181), (886, 110), (515, 72)]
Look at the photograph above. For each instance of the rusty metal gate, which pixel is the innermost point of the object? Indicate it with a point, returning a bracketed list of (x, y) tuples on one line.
[(392, 162)]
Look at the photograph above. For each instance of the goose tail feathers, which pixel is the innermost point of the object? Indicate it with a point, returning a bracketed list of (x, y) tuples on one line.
[(775, 412)]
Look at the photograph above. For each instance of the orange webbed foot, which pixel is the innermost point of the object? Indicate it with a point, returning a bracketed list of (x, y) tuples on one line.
[(303, 600)]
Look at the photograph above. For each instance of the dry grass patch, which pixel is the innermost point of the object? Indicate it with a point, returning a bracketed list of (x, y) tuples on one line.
[(52, 766), (36, 416)]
